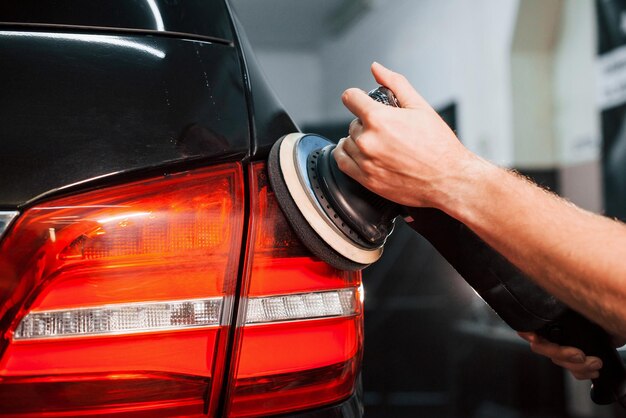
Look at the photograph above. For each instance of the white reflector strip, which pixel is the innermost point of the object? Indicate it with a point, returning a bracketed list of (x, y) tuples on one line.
[(302, 306), (121, 319)]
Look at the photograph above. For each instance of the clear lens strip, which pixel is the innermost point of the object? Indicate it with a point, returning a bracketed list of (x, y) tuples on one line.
[(342, 302), (121, 319)]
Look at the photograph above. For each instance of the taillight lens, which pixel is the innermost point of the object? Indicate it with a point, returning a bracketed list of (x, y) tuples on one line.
[(116, 300), (299, 341)]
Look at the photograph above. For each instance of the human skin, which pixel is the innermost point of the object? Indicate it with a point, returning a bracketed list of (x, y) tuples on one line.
[(410, 156)]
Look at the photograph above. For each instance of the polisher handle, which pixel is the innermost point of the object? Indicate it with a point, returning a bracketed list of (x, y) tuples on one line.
[(385, 96), (574, 330), (518, 301)]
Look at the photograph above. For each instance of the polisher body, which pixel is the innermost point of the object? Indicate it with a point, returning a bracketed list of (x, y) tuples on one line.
[(293, 175)]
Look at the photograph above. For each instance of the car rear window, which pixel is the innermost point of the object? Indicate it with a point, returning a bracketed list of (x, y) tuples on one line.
[(195, 17)]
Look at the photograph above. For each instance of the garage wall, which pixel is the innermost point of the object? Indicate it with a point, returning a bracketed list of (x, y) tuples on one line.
[(577, 120), (296, 75), (453, 51), (529, 105)]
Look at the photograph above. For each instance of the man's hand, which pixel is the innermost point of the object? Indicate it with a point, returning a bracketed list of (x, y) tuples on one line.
[(581, 366), (407, 154), (410, 156)]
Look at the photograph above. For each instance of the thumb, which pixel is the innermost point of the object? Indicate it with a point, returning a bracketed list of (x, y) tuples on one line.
[(404, 91)]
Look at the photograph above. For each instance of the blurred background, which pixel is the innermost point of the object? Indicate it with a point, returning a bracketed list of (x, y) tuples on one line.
[(534, 85)]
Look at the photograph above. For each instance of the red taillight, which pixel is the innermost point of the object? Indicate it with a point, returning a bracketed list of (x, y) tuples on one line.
[(117, 300), (300, 339)]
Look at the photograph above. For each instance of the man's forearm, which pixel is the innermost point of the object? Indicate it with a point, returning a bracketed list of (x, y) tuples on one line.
[(575, 255), (410, 156)]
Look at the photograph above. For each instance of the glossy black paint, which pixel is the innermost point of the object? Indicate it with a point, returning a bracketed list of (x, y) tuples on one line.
[(195, 17), (95, 93), (79, 106)]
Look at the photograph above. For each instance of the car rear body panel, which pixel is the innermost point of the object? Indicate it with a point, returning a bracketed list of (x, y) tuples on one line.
[(197, 19), (99, 97), (84, 105)]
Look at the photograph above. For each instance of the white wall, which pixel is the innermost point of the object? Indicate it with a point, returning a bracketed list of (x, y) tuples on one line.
[(576, 115), (533, 110), (532, 62), (577, 124), (461, 51), (453, 50), (555, 120), (296, 76)]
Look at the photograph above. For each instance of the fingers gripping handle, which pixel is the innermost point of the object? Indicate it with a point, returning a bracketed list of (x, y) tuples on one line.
[(518, 301), (572, 329)]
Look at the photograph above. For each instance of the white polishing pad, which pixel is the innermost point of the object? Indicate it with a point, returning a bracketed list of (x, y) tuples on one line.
[(297, 181)]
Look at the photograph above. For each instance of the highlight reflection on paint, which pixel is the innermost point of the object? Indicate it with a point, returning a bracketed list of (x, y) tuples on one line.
[(99, 39), (158, 19)]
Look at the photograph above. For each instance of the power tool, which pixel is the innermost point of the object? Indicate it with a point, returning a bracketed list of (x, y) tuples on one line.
[(346, 225)]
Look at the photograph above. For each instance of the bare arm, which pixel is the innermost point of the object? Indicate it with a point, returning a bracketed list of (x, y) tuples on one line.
[(575, 255), (410, 156)]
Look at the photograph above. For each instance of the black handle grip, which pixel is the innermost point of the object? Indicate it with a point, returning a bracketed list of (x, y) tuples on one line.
[(518, 301), (573, 329)]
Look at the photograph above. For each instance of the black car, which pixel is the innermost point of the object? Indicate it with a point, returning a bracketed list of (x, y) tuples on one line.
[(145, 267)]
